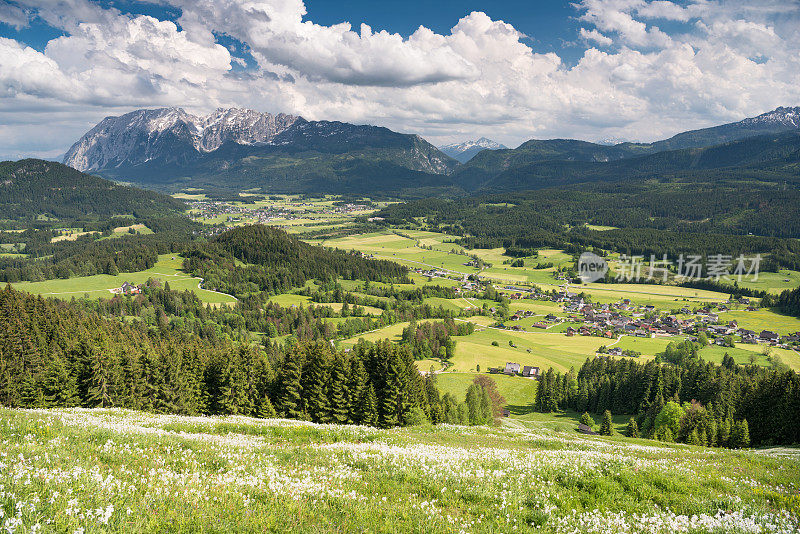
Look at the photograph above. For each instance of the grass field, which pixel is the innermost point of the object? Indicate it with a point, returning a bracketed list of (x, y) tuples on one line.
[(519, 392), (167, 269), (121, 471)]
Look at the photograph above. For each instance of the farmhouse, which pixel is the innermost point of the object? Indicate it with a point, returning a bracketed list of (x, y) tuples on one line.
[(530, 371), (768, 336), (512, 368)]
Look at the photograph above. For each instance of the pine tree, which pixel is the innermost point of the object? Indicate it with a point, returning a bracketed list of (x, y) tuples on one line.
[(632, 430), (265, 409), (587, 420), (356, 389), (290, 404), (607, 426), (338, 394), (391, 395), (369, 407), (724, 433), (58, 384), (315, 383)]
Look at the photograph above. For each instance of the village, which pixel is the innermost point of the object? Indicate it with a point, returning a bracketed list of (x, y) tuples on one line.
[(624, 318), (627, 318), (232, 213)]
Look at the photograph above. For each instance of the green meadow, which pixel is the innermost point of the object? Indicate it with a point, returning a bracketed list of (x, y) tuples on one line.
[(167, 269), (113, 470)]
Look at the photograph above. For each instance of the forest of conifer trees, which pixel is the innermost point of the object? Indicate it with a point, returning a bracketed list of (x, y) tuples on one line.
[(692, 401)]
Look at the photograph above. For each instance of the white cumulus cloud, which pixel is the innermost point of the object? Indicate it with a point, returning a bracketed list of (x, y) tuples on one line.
[(719, 61)]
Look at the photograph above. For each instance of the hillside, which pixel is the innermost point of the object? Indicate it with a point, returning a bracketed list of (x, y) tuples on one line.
[(769, 158), (275, 261), (563, 157), (120, 471), (31, 189), (169, 149)]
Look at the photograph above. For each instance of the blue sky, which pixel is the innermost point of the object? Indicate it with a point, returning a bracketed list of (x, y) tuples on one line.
[(509, 70), (551, 23)]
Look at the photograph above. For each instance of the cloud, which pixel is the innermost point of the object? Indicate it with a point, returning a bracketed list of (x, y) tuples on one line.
[(595, 36), (720, 61), (13, 16), (278, 36), (617, 16)]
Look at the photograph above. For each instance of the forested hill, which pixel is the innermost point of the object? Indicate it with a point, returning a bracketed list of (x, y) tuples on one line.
[(32, 188), (770, 158), (256, 258)]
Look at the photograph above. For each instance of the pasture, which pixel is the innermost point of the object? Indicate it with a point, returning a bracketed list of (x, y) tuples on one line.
[(167, 269)]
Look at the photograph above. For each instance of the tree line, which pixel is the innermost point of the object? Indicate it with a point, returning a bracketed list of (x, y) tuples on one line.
[(58, 354), (691, 401)]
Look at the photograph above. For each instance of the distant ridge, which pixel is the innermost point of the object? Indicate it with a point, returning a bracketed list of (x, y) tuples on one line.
[(550, 157)]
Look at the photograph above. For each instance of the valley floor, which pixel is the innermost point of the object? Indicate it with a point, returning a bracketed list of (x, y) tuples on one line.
[(113, 470)]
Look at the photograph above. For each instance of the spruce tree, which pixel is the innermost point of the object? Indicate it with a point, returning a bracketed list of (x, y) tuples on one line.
[(368, 410), (356, 389), (587, 420), (607, 426), (392, 395), (315, 383), (724, 433), (290, 404), (59, 385), (265, 409), (101, 378), (337, 393), (632, 430)]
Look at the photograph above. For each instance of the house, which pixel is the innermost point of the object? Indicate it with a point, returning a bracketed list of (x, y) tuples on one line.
[(530, 371), (504, 412), (128, 289), (570, 331), (512, 368), (769, 336), (585, 429)]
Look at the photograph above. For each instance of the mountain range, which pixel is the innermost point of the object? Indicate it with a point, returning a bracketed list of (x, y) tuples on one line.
[(463, 152), (170, 149), (233, 149), (542, 163)]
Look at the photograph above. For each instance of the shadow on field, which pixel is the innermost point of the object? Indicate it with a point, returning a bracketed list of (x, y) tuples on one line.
[(519, 409)]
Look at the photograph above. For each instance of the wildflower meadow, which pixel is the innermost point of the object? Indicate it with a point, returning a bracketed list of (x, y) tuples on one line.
[(113, 470)]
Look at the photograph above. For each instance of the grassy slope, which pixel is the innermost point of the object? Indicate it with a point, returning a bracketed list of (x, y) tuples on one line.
[(111, 470), (168, 269)]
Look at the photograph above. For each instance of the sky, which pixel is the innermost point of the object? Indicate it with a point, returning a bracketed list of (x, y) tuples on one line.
[(509, 70)]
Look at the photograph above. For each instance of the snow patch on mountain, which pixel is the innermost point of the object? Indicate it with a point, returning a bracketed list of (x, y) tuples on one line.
[(789, 117), (465, 151), (171, 134)]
